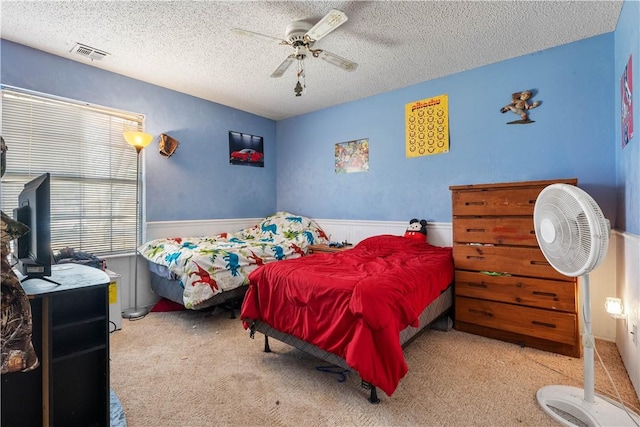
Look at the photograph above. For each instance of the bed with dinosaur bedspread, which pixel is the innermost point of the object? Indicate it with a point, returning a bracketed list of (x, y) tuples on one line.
[(199, 272)]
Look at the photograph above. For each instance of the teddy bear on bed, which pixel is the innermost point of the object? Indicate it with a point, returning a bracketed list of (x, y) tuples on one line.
[(417, 230)]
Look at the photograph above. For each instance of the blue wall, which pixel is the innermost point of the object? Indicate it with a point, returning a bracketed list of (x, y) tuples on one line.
[(197, 182), (627, 42), (573, 136)]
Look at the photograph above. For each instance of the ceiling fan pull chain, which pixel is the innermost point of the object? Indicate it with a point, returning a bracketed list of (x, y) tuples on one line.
[(300, 87)]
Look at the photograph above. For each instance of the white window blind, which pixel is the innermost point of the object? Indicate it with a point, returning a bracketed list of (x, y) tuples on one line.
[(92, 168)]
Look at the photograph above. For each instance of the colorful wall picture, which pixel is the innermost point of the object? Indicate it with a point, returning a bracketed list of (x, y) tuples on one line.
[(245, 149), (626, 88), (427, 126), (352, 156)]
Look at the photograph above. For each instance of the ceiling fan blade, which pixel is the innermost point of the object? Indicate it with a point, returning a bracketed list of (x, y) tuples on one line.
[(330, 22), (278, 72), (259, 36), (338, 61)]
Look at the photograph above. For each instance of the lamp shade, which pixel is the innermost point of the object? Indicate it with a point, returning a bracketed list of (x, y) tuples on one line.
[(139, 140)]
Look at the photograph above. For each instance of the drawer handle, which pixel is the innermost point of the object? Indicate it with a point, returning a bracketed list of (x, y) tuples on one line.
[(477, 285), (539, 263), (545, 294), (473, 203), (474, 257), (546, 325), (475, 230), (481, 312)]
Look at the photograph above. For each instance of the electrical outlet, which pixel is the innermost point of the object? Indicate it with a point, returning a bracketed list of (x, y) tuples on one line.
[(634, 333)]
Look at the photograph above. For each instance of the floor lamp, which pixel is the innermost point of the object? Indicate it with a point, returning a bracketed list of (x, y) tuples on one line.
[(138, 140)]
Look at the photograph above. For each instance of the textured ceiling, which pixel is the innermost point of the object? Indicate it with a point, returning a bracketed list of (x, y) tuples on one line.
[(189, 46)]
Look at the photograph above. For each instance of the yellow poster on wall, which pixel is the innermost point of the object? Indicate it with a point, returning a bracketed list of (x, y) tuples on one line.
[(427, 126)]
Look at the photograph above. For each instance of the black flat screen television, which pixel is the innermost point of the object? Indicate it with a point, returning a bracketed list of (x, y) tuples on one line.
[(34, 210)]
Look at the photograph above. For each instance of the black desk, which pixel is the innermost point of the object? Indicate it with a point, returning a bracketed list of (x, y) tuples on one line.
[(71, 339)]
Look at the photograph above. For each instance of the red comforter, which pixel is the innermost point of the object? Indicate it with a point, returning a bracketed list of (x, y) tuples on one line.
[(353, 303)]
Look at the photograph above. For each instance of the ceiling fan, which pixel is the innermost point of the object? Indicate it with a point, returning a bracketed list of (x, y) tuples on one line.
[(302, 35)]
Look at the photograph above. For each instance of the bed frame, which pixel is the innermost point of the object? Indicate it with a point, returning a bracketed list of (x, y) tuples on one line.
[(434, 311), (170, 289)]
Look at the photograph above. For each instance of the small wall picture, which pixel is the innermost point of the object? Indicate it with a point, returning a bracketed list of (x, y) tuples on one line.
[(352, 156), (245, 149)]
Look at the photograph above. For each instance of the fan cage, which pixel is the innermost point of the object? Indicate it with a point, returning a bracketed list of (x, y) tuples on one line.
[(579, 237)]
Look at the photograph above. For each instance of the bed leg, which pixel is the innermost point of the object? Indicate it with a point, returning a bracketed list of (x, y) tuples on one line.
[(373, 397), (267, 349), (373, 393), (231, 306)]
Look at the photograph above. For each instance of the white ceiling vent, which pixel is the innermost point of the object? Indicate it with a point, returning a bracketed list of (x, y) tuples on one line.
[(88, 52)]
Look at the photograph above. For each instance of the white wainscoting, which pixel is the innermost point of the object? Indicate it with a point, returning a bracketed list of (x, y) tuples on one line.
[(340, 230), (627, 249)]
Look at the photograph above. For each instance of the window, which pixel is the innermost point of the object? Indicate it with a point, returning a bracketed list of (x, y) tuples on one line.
[(93, 169)]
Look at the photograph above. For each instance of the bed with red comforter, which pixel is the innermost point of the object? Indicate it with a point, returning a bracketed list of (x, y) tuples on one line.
[(353, 304)]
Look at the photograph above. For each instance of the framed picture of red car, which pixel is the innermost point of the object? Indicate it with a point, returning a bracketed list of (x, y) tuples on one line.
[(245, 149)]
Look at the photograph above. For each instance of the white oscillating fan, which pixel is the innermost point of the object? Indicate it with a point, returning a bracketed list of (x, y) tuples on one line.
[(573, 235)]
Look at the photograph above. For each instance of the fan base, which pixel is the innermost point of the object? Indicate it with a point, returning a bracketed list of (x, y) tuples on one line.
[(566, 405)]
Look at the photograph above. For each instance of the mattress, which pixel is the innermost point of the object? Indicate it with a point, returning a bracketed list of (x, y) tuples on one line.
[(166, 286)]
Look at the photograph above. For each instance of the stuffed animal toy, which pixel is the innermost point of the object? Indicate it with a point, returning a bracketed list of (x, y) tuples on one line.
[(417, 230)]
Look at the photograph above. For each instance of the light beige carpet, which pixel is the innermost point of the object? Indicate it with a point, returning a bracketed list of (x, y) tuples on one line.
[(201, 369)]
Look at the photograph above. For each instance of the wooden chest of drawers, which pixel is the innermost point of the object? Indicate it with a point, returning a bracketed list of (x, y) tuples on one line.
[(504, 286)]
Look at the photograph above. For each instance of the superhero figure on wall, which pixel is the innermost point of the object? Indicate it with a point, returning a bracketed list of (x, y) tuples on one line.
[(520, 104)]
